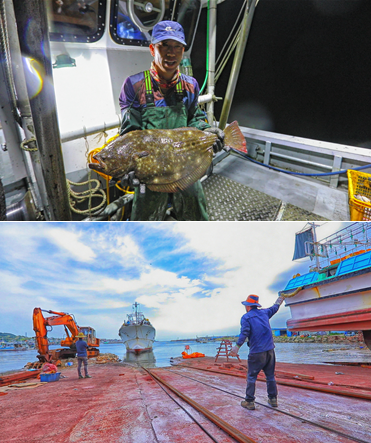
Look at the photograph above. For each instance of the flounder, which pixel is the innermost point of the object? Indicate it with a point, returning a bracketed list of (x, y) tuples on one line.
[(166, 160)]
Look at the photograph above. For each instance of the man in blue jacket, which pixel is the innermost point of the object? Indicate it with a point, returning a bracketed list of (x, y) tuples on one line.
[(82, 355), (256, 328)]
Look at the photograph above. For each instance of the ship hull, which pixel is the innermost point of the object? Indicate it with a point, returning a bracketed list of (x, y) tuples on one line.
[(339, 304), (137, 338)]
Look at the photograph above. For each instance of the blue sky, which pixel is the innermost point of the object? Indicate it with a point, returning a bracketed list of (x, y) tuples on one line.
[(189, 278)]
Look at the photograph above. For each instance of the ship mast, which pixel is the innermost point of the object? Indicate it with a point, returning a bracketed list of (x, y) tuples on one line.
[(136, 311), (315, 244)]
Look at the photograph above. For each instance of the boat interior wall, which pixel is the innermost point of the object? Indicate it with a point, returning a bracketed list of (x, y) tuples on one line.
[(94, 84)]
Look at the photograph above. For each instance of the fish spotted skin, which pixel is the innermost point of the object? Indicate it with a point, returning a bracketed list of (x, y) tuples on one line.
[(166, 160)]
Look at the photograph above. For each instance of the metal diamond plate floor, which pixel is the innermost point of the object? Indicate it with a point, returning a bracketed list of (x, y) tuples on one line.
[(228, 200), (293, 213)]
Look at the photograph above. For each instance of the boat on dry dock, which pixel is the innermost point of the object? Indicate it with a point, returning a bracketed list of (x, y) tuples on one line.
[(335, 295), (137, 333)]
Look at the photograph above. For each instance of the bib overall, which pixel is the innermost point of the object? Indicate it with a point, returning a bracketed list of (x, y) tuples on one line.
[(189, 204)]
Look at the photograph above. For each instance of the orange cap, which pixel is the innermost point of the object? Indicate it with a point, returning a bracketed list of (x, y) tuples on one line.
[(252, 300)]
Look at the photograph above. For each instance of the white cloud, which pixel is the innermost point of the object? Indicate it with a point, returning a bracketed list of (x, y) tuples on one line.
[(127, 249), (149, 279), (12, 283), (71, 243)]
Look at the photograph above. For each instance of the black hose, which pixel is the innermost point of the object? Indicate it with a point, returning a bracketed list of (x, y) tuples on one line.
[(323, 174)]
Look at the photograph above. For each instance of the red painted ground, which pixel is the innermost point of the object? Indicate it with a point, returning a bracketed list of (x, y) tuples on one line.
[(132, 408), (106, 408), (356, 381)]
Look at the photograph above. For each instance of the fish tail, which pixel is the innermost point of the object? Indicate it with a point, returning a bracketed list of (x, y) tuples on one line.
[(234, 137)]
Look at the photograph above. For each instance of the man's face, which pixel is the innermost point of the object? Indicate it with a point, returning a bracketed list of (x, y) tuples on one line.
[(167, 56)]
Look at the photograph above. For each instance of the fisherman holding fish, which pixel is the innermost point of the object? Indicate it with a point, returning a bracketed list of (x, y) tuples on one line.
[(163, 98), (166, 144), (256, 328)]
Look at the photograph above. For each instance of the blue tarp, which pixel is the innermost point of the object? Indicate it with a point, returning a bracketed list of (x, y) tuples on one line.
[(302, 280), (356, 263), (300, 239)]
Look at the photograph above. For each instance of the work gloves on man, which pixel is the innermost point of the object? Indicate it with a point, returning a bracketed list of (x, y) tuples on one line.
[(219, 142), (279, 301), (234, 351), (129, 180), (132, 181)]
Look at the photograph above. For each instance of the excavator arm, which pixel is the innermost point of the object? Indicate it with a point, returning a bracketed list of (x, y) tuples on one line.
[(60, 318), (40, 324)]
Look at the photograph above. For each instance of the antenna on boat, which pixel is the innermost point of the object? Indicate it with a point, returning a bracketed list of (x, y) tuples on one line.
[(306, 244), (315, 244), (135, 306)]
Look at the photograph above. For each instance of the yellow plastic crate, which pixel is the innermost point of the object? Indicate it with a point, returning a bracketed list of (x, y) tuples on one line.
[(359, 186)]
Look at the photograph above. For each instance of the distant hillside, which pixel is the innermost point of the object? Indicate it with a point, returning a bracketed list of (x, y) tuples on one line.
[(7, 336)]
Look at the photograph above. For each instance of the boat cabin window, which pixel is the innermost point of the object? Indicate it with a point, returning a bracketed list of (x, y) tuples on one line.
[(76, 20), (132, 21)]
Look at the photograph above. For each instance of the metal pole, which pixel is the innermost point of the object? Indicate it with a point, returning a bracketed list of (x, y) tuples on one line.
[(238, 57), (31, 159), (31, 16), (84, 132), (212, 51), (315, 244)]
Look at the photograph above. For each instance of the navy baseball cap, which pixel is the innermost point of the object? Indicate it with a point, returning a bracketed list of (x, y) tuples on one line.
[(168, 30)]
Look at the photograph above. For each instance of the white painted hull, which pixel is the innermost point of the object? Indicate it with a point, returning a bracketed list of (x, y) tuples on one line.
[(137, 338), (341, 303)]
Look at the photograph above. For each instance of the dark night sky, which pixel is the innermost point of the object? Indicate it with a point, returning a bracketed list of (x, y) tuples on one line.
[(306, 69)]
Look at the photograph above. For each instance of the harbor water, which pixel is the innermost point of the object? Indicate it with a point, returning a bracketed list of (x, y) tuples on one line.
[(163, 351)]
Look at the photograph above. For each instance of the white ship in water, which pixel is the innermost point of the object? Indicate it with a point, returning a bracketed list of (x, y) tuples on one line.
[(137, 333), (335, 295)]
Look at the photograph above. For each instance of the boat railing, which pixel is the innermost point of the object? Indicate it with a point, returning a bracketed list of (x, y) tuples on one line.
[(137, 318), (349, 242), (304, 155)]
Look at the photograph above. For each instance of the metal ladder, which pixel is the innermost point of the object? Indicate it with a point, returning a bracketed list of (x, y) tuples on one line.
[(224, 350)]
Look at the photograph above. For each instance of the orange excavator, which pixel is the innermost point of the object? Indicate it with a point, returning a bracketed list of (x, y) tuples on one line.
[(40, 325)]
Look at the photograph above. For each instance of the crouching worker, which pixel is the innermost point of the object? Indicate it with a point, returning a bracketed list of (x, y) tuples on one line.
[(82, 355), (256, 328)]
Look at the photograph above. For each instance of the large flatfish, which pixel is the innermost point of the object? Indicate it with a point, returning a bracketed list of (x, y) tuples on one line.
[(166, 160)]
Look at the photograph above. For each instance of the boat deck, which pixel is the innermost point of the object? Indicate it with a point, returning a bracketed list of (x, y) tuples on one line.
[(241, 190), (125, 403)]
